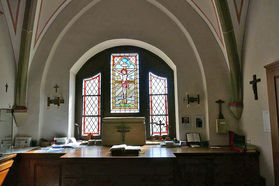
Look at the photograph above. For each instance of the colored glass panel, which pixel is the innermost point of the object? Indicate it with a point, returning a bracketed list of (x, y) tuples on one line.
[(124, 83), (158, 106), (91, 104)]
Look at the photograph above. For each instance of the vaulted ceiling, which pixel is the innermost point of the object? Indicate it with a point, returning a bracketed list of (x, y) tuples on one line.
[(47, 10)]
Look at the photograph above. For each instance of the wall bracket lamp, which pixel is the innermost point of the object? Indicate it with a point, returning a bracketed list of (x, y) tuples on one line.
[(57, 100), (191, 99)]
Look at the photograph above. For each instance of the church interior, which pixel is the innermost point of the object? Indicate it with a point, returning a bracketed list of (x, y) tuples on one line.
[(139, 92)]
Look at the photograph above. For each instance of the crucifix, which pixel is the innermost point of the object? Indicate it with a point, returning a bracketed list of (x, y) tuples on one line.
[(6, 87), (220, 102), (56, 88), (123, 130), (152, 123), (160, 124), (254, 85)]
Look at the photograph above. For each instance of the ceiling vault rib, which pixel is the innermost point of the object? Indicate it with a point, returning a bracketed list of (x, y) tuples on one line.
[(236, 104), (24, 54)]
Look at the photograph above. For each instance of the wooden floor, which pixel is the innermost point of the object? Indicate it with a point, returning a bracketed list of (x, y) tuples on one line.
[(94, 165)]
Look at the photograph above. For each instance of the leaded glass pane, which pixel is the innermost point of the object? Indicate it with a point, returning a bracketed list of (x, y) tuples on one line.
[(91, 125), (156, 128), (91, 105), (158, 85), (124, 83), (91, 86), (158, 96), (159, 104)]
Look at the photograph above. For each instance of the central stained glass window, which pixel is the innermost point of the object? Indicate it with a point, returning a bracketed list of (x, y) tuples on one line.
[(124, 83)]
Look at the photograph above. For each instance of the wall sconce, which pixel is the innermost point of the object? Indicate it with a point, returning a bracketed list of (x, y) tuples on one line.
[(57, 100), (191, 99)]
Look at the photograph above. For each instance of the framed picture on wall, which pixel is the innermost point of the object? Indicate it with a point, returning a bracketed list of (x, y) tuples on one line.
[(199, 121), (186, 121)]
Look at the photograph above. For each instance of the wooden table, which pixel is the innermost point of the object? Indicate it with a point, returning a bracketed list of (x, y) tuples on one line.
[(154, 166), (101, 152)]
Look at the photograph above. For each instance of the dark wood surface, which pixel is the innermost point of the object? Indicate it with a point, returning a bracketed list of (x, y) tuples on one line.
[(272, 73), (148, 151), (7, 157), (94, 165), (103, 152)]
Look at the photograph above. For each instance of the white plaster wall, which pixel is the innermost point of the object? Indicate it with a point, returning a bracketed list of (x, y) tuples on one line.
[(260, 48), (215, 70), (7, 75), (161, 25), (6, 122), (7, 66), (208, 11)]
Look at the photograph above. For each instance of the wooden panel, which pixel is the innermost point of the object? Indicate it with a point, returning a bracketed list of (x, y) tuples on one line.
[(118, 172), (38, 169), (25, 171), (6, 165), (194, 170), (235, 169), (275, 131), (149, 180), (47, 174), (272, 72), (7, 157), (3, 175), (4, 169), (218, 169)]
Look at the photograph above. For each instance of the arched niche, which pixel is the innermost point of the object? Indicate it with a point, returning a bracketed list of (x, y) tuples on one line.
[(182, 37)]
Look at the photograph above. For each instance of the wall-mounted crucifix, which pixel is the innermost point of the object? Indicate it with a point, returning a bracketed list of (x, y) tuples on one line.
[(56, 88), (6, 86), (254, 85), (220, 102)]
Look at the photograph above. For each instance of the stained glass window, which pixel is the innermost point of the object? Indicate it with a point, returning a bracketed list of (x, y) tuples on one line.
[(158, 106), (124, 83), (91, 105)]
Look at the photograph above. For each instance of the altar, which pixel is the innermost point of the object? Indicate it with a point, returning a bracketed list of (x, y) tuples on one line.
[(123, 130)]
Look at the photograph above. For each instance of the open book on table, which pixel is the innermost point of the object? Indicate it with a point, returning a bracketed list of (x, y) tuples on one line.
[(124, 150), (193, 139)]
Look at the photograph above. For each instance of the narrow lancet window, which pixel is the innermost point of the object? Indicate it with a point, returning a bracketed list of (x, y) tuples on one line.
[(91, 106), (158, 105), (124, 83)]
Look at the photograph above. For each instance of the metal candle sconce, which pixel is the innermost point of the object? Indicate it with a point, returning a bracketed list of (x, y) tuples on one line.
[(57, 100), (191, 99)]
